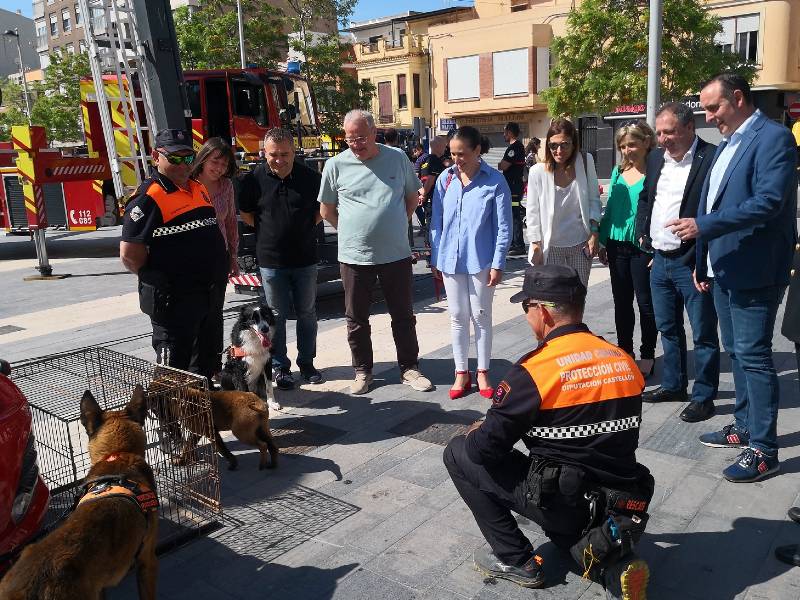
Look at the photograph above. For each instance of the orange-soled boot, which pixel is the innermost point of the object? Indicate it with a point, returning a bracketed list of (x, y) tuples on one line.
[(485, 392), (458, 392)]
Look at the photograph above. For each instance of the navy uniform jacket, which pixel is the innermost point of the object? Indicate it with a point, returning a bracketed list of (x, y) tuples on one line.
[(576, 399)]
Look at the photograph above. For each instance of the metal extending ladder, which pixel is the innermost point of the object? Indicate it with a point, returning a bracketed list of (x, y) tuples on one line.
[(115, 49)]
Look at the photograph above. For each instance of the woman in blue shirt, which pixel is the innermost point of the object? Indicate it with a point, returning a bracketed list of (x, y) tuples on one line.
[(470, 233)]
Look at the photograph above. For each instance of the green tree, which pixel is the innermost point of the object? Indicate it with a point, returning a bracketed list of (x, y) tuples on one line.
[(602, 61), (336, 90), (13, 109), (56, 103), (208, 38)]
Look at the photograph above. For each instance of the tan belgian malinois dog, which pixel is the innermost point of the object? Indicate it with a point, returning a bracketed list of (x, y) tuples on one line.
[(242, 413), (114, 525)]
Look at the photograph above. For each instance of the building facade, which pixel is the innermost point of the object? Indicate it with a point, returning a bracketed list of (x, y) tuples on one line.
[(490, 70), (9, 54), (393, 53)]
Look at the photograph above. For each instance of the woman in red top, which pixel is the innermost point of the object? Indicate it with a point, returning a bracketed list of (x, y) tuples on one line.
[(214, 167)]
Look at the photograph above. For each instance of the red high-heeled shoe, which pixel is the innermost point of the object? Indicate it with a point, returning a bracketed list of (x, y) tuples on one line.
[(485, 392), (457, 393)]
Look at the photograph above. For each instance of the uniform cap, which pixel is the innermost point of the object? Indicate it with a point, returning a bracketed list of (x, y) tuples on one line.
[(554, 283), (173, 140)]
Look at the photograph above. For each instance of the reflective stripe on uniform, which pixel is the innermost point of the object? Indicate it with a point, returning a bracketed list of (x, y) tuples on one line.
[(581, 431), (161, 231)]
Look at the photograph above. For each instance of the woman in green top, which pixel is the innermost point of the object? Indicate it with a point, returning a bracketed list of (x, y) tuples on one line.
[(629, 264)]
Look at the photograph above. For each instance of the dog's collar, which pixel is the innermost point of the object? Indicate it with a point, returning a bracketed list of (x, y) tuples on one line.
[(237, 352), (107, 486)]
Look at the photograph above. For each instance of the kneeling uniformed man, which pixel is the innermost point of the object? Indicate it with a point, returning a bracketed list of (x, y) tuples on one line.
[(171, 240), (575, 401)]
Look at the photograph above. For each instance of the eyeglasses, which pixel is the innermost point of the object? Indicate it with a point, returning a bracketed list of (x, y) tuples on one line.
[(357, 140), (528, 304), (174, 159), (560, 145)]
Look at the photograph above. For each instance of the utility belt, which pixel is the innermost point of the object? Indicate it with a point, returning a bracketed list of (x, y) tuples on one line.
[(617, 517)]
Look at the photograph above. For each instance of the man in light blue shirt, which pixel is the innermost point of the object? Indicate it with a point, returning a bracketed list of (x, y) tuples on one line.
[(745, 241), (368, 194)]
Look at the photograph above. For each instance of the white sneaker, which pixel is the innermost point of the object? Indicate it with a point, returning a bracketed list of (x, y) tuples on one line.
[(361, 384), (417, 380)]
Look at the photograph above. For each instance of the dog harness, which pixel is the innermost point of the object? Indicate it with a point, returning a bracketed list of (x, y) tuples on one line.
[(108, 486)]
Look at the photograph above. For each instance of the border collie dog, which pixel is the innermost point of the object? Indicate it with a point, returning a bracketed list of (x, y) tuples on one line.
[(248, 367)]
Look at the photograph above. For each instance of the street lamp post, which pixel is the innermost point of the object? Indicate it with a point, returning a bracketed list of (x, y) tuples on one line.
[(15, 34), (241, 33), (654, 60)]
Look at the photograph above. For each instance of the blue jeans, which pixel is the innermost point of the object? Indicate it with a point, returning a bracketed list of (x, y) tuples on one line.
[(284, 288), (746, 321), (672, 289)]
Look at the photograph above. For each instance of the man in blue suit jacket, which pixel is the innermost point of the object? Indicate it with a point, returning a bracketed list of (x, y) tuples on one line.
[(746, 231)]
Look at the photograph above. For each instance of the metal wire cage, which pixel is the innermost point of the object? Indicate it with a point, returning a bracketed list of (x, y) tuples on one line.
[(187, 482)]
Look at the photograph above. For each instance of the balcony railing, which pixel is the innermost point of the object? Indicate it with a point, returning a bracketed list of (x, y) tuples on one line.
[(390, 48)]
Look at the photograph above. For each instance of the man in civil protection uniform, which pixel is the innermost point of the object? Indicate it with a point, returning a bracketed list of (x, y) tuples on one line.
[(171, 240), (575, 401), (513, 168)]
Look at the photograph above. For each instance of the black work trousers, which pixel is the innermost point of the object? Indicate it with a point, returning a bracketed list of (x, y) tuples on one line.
[(188, 336), (492, 494), (518, 222), (395, 279), (630, 277)]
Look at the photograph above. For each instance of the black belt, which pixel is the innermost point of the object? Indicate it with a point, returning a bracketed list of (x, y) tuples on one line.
[(671, 253)]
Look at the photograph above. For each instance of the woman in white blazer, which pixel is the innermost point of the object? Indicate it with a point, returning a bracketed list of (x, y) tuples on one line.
[(563, 203)]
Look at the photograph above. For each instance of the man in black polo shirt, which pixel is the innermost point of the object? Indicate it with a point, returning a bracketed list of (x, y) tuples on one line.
[(171, 240), (279, 199), (513, 167)]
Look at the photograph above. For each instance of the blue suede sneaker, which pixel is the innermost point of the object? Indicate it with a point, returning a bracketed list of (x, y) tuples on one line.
[(729, 437), (751, 465)]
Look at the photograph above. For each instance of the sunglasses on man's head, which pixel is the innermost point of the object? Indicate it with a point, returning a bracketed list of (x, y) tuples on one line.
[(174, 159)]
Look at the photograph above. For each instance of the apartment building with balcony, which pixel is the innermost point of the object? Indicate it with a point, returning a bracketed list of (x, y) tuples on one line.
[(393, 53)]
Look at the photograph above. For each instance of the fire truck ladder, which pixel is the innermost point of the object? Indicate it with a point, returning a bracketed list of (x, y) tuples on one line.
[(115, 48)]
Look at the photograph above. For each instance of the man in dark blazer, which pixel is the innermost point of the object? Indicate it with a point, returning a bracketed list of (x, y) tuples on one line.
[(746, 230), (675, 175)]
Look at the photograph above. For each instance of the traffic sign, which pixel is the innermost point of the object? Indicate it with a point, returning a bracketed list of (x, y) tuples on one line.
[(447, 124), (794, 110)]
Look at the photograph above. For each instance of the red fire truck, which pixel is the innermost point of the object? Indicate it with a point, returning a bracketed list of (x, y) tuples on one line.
[(239, 105)]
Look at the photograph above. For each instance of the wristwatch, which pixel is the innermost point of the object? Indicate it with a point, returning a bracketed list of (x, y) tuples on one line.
[(594, 228)]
